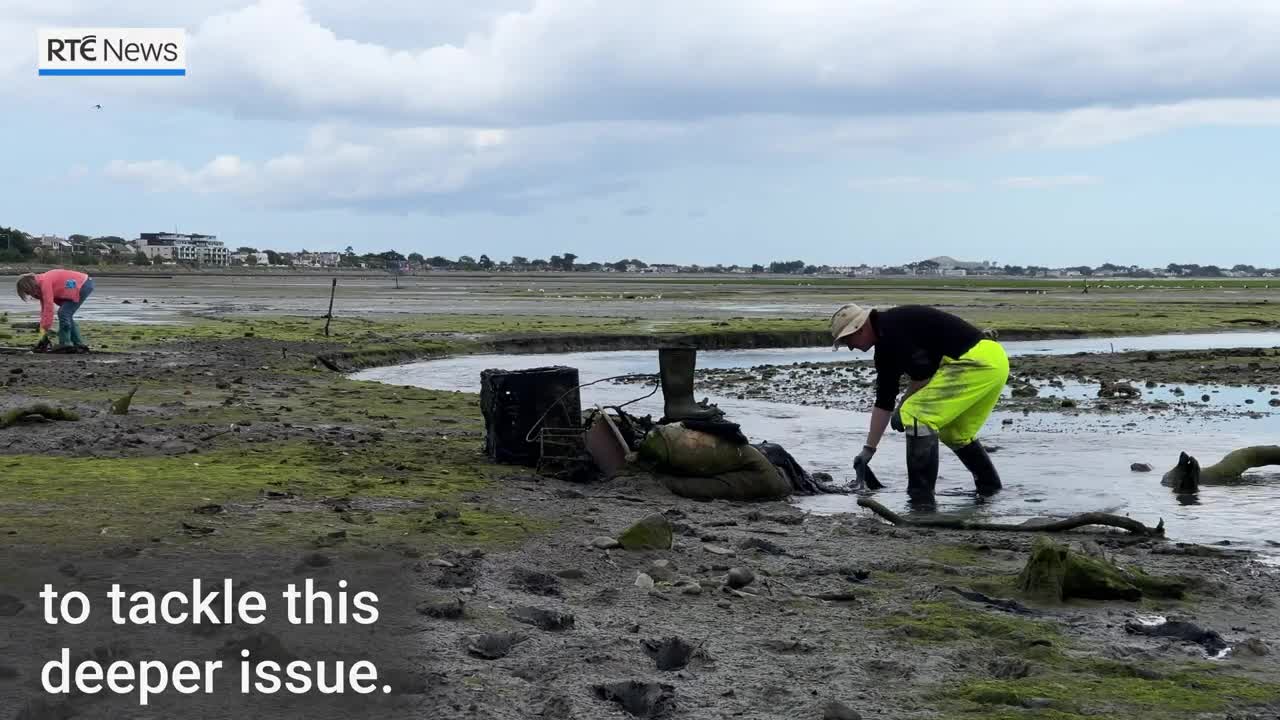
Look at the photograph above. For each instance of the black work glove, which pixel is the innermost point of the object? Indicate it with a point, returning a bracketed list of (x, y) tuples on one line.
[(43, 345), (895, 420), (863, 459)]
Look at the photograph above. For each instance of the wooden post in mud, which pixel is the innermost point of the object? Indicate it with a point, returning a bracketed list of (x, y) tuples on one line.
[(332, 289)]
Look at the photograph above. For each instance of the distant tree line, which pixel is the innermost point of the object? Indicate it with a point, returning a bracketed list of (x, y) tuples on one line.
[(17, 246)]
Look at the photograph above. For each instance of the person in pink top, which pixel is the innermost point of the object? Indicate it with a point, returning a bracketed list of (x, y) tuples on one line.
[(68, 290)]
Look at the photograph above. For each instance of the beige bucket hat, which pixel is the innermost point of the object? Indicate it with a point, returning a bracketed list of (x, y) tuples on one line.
[(846, 321)]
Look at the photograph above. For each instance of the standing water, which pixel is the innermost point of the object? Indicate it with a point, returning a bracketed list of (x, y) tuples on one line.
[(1052, 464)]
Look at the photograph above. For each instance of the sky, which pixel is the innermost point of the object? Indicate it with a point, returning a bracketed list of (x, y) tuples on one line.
[(830, 131)]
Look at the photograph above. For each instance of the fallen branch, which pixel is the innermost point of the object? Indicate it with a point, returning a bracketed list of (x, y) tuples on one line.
[(43, 410), (1187, 476), (1034, 525)]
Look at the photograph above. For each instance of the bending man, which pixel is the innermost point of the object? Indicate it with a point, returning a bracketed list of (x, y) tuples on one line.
[(957, 374)]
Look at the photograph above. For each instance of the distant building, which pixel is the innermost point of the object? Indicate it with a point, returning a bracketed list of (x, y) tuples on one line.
[(316, 259), (946, 262), (53, 243), (259, 258), (174, 247)]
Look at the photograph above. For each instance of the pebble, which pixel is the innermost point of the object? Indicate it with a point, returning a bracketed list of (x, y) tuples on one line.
[(1254, 646), (1140, 467), (724, 604), (693, 589), (605, 543), (717, 550), (644, 582), (441, 563), (739, 578)]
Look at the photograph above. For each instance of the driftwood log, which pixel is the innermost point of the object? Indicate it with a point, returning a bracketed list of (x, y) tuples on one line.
[(1033, 525), (1187, 476), (1056, 572), (41, 410)]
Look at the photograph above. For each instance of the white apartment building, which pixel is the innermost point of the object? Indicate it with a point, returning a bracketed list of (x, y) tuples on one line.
[(175, 247)]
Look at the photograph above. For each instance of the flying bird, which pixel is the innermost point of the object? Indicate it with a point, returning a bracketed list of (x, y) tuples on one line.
[(97, 107)]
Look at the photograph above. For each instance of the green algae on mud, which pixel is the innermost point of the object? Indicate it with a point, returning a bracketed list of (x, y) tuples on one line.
[(1064, 680), (1080, 691), (945, 621), (403, 476)]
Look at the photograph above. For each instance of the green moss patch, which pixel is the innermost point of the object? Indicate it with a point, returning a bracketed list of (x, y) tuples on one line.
[(1080, 693), (266, 490), (942, 622)]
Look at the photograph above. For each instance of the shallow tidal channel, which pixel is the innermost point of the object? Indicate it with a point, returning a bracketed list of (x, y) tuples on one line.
[(1052, 463)]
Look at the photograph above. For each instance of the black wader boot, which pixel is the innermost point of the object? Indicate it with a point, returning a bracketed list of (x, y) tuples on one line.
[(922, 465), (977, 461), (675, 367)]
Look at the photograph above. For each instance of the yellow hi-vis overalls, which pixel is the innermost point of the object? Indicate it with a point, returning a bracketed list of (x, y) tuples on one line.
[(961, 395)]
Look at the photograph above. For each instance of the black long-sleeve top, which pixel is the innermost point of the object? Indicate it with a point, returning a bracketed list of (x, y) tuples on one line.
[(912, 340)]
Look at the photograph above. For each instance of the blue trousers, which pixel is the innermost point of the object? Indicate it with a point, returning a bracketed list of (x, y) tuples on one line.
[(68, 331)]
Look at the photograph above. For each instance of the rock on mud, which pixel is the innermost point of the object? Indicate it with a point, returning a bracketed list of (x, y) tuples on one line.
[(493, 646), (443, 609), (1253, 646), (739, 578), (642, 700), (661, 571), (762, 545), (651, 533), (605, 543), (1119, 390), (1140, 467), (542, 619)]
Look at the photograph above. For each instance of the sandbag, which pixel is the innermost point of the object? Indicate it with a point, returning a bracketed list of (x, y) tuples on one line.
[(678, 450), (702, 466)]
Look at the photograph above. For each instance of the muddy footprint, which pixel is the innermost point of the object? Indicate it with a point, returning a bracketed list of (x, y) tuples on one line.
[(642, 700)]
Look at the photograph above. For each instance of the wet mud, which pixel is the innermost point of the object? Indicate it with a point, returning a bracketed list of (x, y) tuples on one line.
[(507, 594)]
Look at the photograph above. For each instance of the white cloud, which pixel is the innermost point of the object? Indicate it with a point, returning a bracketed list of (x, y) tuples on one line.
[(1040, 182), (431, 169), (590, 60), (506, 105)]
